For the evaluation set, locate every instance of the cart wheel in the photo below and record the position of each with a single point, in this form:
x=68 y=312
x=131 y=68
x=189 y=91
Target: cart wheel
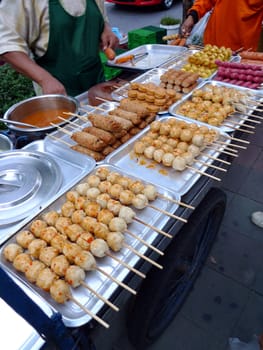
x=164 y=291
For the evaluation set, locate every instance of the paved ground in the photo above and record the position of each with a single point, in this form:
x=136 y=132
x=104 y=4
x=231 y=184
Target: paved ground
x=227 y=299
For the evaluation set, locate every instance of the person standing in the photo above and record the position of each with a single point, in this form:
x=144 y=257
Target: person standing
x=56 y=43
x=234 y=24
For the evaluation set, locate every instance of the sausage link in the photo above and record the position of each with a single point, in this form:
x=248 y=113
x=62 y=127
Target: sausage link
x=104 y=135
x=87 y=140
x=133 y=117
x=96 y=155
x=105 y=122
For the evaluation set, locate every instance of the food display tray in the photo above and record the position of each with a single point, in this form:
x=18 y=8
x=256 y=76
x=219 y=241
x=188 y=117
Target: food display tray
x=180 y=182
x=152 y=76
x=157 y=55
x=72 y=168
x=237 y=118
x=180 y=61
x=72 y=314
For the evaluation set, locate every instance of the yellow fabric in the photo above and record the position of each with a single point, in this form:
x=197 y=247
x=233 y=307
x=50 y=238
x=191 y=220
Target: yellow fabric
x=24 y=24
x=233 y=23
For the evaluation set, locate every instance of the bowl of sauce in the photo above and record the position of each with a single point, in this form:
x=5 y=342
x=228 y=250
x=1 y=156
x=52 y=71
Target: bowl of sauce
x=41 y=111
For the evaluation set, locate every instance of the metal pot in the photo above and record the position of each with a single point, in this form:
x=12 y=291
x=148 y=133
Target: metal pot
x=35 y=104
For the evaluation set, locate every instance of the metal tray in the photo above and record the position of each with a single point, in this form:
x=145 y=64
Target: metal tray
x=181 y=182
x=64 y=140
x=182 y=60
x=152 y=76
x=238 y=117
x=157 y=55
x=73 y=315
x=72 y=168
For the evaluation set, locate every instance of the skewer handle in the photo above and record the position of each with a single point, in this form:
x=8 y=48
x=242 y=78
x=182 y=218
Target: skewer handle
x=123 y=285
x=176 y=202
x=91 y=314
x=144 y=242
x=203 y=173
x=210 y=165
x=106 y=301
x=167 y=213
x=153 y=228
x=127 y=266
x=143 y=256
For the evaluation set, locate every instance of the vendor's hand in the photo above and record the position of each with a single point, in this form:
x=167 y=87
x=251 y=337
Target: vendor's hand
x=53 y=86
x=108 y=38
x=187 y=26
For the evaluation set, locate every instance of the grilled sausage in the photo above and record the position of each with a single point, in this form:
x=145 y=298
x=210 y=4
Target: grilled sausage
x=133 y=117
x=107 y=123
x=107 y=137
x=87 y=140
x=96 y=155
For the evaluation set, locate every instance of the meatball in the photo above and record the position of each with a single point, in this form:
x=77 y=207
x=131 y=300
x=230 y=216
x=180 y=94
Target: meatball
x=102 y=200
x=23 y=238
x=114 y=206
x=126 y=197
x=74 y=276
x=140 y=201
x=115 y=241
x=60 y=291
x=150 y=192
x=118 y=224
x=22 y=262
x=11 y=251
x=72 y=196
x=48 y=234
x=33 y=270
x=102 y=173
x=82 y=188
x=78 y=216
x=127 y=214
x=62 y=223
x=47 y=254
x=85 y=260
x=92 y=193
x=45 y=279
x=35 y=246
x=67 y=209
x=73 y=231
x=71 y=250
x=37 y=226
x=93 y=180
x=84 y=240
x=105 y=216
x=99 y=248
x=51 y=217
x=101 y=230
x=59 y=265
x=58 y=242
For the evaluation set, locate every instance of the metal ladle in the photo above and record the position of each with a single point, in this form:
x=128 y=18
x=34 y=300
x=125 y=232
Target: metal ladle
x=8 y=121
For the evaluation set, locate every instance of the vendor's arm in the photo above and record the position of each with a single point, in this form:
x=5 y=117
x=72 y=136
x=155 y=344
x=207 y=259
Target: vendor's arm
x=196 y=12
x=22 y=63
x=108 y=38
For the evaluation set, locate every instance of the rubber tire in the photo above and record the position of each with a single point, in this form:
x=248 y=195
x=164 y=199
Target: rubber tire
x=163 y=292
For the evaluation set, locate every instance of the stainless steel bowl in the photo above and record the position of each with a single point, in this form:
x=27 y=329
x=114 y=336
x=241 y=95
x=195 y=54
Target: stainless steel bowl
x=5 y=143
x=41 y=103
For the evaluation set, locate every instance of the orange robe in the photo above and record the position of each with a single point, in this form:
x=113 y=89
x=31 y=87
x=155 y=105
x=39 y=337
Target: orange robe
x=233 y=23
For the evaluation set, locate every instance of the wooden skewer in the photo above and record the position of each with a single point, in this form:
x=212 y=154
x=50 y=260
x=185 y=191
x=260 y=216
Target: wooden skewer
x=231 y=144
x=229 y=153
x=238 y=124
x=244 y=114
x=106 y=301
x=258 y=103
x=175 y=201
x=63 y=130
x=102 y=99
x=210 y=165
x=237 y=139
x=251 y=120
x=91 y=314
x=144 y=242
x=127 y=266
x=215 y=158
x=71 y=123
x=226 y=148
x=143 y=256
x=73 y=114
x=60 y=140
x=153 y=227
x=166 y=213
x=123 y=285
x=203 y=173
x=237 y=128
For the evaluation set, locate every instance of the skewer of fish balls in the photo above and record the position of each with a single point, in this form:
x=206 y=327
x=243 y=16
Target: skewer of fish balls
x=73 y=252
x=47 y=280
x=51 y=257
x=149 y=190
x=116 y=186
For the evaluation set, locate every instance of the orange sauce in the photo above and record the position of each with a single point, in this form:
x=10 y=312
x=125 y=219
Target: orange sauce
x=163 y=172
x=45 y=117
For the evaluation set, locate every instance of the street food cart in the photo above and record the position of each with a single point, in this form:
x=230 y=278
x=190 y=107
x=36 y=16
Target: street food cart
x=168 y=235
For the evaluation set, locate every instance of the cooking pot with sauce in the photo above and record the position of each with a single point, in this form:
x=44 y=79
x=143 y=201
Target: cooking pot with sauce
x=41 y=111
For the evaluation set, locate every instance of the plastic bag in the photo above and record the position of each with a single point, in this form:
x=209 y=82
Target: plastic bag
x=197 y=33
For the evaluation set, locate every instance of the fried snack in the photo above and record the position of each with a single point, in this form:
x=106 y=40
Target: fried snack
x=108 y=123
x=104 y=135
x=133 y=117
x=96 y=155
x=87 y=140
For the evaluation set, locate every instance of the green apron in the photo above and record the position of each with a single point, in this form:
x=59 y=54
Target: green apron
x=72 y=55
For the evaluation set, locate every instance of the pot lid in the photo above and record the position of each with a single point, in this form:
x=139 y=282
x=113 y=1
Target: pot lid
x=27 y=181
